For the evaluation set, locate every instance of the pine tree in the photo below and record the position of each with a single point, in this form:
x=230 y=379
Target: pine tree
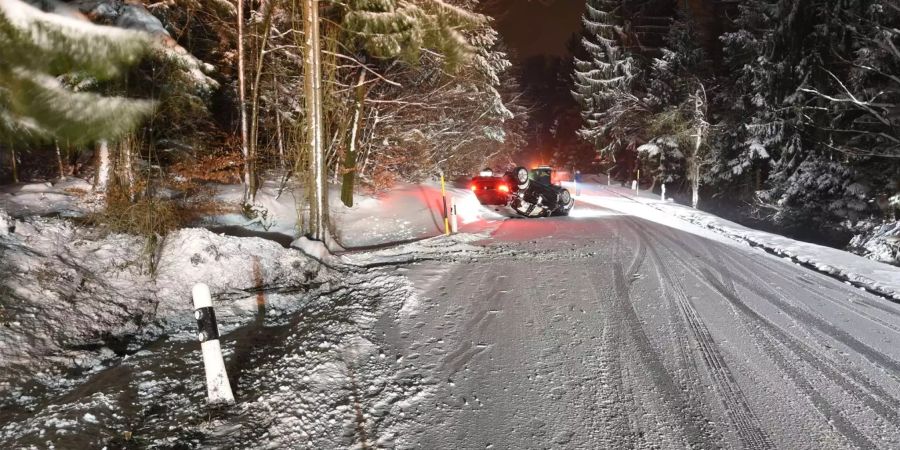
x=37 y=49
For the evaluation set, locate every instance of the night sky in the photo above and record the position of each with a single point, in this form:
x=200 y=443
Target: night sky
x=539 y=36
x=536 y=27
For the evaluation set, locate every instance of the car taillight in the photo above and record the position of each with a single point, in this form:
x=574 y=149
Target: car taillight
x=503 y=188
x=474 y=187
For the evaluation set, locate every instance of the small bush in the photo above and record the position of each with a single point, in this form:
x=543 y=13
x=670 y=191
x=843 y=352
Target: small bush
x=145 y=216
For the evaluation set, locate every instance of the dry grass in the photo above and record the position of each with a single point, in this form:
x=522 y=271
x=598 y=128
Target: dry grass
x=225 y=169
x=145 y=216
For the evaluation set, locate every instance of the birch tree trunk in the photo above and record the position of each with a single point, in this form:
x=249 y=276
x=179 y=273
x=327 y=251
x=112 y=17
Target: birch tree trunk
x=104 y=165
x=278 y=132
x=700 y=127
x=695 y=168
x=242 y=101
x=59 y=161
x=124 y=167
x=312 y=87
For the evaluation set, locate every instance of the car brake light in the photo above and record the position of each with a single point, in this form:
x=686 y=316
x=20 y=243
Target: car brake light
x=474 y=187
x=503 y=188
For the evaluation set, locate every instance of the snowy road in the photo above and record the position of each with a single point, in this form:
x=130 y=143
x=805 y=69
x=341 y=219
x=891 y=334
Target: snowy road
x=608 y=331
x=599 y=330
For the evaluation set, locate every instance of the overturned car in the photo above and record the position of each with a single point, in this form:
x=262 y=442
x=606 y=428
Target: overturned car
x=530 y=194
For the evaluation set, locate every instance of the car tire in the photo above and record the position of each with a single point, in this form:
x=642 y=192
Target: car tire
x=566 y=201
x=521 y=177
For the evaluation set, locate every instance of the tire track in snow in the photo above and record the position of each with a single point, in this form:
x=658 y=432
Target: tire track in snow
x=842 y=376
x=692 y=421
x=615 y=400
x=816 y=289
x=778 y=336
x=735 y=402
x=876 y=397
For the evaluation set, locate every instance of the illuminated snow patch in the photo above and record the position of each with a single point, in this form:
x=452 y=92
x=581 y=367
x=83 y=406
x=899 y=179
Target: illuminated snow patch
x=591 y=213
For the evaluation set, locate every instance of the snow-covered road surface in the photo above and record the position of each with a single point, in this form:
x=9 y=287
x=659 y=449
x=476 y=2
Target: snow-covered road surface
x=598 y=330
x=608 y=331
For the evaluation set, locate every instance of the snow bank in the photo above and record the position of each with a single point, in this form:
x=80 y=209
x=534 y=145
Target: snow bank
x=62 y=198
x=228 y=265
x=6 y=223
x=69 y=296
x=876 y=277
x=404 y=213
x=450 y=247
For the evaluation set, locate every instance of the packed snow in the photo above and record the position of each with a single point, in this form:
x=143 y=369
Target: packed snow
x=875 y=276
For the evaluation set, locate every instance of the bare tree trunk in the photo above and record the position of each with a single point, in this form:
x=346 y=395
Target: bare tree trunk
x=104 y=165
x=312 y=86
x=252 y=147
x=15 y=165
x=242 y=100
x=59 y=161
x=347 y=185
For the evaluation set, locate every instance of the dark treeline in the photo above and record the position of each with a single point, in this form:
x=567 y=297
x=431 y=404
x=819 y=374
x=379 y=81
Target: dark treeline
x=784 y=112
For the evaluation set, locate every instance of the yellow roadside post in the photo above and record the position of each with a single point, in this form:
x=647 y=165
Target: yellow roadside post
x=446 y=215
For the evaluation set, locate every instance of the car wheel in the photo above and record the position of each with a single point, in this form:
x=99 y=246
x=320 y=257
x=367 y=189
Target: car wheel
x=566 y=203
x=521 y=175
x=565 y=198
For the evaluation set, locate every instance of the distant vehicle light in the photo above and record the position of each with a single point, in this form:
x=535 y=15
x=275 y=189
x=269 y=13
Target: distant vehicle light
x=474 y=187
x=503 y=188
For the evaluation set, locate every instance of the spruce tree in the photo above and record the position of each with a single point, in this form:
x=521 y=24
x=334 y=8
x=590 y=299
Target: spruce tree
x=403 y=28
x=604 y=84
x=384 y=30
x=38 y=50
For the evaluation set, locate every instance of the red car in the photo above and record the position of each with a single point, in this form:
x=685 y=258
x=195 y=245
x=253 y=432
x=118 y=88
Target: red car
x=491 y=189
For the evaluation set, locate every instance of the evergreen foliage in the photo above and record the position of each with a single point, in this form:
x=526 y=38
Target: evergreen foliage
x=403 y=28
x=604 y=80
x=37 y=49
x=804 y=104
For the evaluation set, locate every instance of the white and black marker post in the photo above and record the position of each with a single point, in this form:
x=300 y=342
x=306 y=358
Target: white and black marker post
x=217 y=387
x=454 y=218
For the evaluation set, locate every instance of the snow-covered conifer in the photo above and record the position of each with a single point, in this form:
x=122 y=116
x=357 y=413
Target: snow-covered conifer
x=37 y=48
x=603 y=80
